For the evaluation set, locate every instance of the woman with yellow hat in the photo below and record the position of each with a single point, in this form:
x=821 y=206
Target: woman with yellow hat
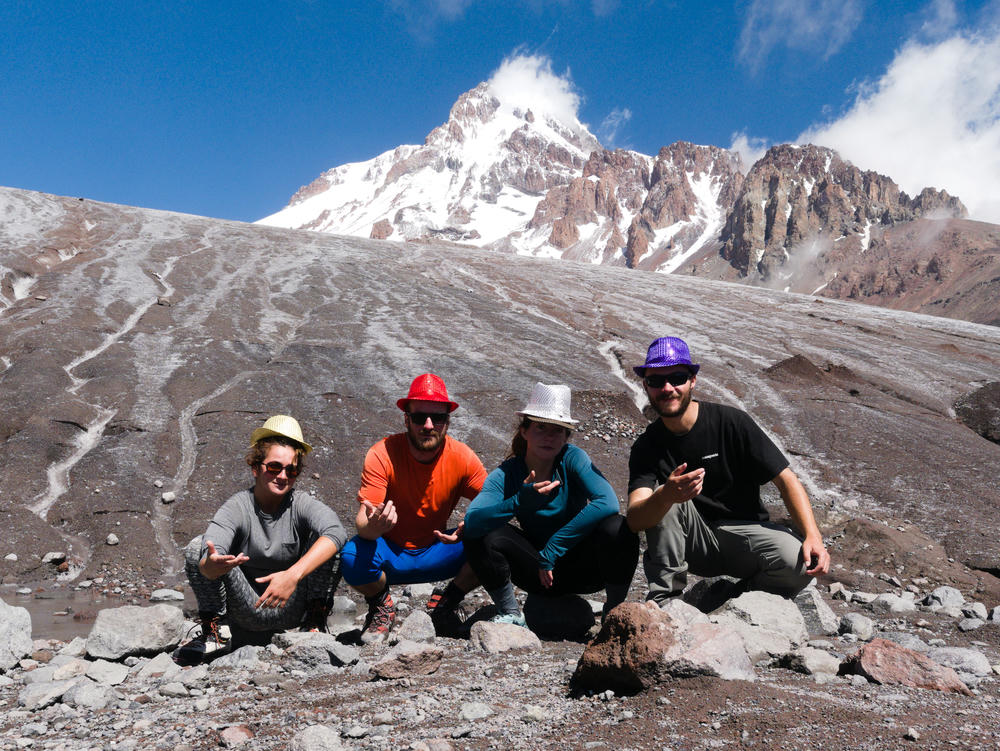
x=266 y=562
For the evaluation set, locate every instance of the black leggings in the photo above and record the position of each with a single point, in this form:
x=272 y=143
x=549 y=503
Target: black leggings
x=608 y=555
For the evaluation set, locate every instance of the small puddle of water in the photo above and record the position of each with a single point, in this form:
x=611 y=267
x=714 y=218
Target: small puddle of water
x=65 y=614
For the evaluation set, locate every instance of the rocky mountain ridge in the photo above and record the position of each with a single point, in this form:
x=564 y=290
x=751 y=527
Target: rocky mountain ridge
x=499 y=177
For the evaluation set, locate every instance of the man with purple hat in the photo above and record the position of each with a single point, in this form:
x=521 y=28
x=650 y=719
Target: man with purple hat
x=410 y=484
x=694 y=487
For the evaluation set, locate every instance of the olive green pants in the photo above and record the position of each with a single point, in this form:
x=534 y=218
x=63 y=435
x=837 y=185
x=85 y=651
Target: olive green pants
x=767 y=556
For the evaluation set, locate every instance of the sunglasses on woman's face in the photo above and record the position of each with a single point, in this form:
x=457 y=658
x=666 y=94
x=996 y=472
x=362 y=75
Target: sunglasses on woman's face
x=658 y=380
x=276 y=468
x=420 y=418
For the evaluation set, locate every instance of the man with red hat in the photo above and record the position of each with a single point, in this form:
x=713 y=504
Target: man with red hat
x=410 y=484
x=694 y=487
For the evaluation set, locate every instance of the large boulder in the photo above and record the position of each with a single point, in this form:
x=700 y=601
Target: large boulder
x=494 y=638
x=818 y=616
x=15 y=635
x=885 y=662
x=409 y=658
x=564 y=617
x=641 y=645
x=134 y=630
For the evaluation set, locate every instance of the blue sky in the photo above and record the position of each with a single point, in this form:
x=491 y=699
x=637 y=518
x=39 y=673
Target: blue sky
x=226 y=108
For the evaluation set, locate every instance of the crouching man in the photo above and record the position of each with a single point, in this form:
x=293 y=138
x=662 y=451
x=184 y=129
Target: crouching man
x=694 y=487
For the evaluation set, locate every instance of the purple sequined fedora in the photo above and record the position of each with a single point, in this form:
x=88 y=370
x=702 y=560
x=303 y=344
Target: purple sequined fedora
x=666 y=352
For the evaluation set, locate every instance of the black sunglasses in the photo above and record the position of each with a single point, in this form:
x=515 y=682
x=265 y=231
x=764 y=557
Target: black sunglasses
x=275 y=468
x=420 y=418
x=657 y=381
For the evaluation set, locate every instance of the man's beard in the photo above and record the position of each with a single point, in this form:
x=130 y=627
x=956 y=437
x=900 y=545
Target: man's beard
x=676 y=409
x=425 y=443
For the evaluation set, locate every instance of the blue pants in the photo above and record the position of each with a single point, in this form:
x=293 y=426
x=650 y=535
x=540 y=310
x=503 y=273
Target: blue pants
x=363 y=562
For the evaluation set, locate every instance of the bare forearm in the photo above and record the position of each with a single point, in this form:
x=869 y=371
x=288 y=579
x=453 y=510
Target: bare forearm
x=321 y=551
x=645 y=508
x=797 y=502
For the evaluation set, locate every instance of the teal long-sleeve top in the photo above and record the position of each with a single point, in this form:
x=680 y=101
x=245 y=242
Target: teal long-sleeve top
x=554 y=522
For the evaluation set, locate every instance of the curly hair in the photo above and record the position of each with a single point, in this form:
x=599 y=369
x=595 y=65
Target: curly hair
x=255 y=456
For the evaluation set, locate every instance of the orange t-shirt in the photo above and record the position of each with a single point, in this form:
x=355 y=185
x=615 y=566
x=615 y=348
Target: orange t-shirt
x=424 y=494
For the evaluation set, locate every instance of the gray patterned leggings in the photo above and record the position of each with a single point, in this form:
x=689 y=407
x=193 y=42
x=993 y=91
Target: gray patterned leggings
x=231 y=594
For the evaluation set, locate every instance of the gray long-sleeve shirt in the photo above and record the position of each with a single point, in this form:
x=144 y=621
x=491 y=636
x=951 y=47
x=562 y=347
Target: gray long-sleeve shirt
x=273 y=542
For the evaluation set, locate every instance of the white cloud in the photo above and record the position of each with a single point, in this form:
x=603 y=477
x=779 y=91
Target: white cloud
x=820 y=27
x=749 y=148
x=607 y=132
x=932 y=120
x=527 y=81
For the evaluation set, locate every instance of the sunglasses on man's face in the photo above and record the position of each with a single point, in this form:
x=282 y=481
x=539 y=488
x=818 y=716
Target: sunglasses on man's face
x=420 y=418
x=275 y=468
x=658 y=380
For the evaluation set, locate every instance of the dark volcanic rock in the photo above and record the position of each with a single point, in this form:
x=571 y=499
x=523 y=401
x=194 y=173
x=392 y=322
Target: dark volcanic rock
x=980 y=410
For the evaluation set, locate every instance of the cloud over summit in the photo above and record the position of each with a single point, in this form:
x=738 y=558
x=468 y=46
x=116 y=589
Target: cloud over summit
x=527 y=81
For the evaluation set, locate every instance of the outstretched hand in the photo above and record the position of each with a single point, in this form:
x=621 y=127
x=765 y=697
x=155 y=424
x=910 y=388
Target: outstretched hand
x=452 y=538
x=545 y=577
x=215 y=564
x=544 y=486
x=683 y=486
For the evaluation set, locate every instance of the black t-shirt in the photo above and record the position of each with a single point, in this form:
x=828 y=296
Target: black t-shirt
x=737 y=456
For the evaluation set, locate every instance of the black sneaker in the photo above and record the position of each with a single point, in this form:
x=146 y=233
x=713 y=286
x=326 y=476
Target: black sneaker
x=207 y=645
x=446 y=621
x=316 y=615
x=380 y=619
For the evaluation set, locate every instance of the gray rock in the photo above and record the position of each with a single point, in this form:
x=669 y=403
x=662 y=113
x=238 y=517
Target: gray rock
x=818 y=616
x=760 y=643
x=564 y=617
x=905 y=639
x=863 y=597
x=133 y=630
x=890 y=603
x=474 y=710
x=811 y=662
x=683 y=611
x=409 y=658
x=15 y=635
x=773 y=612
x=40 y=695
x=86 y=694
x=316 y=649
x=713 y=592
x=417 y=626
x=247 y=657
x=54 y=558
x=975 y=610
x=44 y=674
x=76 y=648
x=995 y=615
x=70 y=669
x=859 y=625
x=970 y=624
x=316 y=738
x=111 y=539
x=108 y=673
x=947 y=597
x=420 y=592
x=174 y=690
x=961 y=660
x=494 y=638
x=162 y=667
x=166 y=595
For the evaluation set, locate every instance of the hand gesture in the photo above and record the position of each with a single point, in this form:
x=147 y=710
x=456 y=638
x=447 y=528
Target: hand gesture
x=816 y=556
x=452 y=538
x=214 y=564
x=280 y=587
x=681 y=486
x=380 y=519
x=545 y=577
x=544 y=487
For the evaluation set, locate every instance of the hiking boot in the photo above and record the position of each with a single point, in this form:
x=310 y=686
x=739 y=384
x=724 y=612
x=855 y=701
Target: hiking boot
x=514 y=619
x=208 y=644
x=381 y=616
x=316 y=615
x=446 y=621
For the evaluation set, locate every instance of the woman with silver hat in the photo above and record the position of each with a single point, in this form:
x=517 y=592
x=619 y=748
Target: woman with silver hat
x=266 y=562
x=570 y=539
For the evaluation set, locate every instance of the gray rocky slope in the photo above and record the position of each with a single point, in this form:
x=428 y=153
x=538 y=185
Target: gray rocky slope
x=140 y=348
